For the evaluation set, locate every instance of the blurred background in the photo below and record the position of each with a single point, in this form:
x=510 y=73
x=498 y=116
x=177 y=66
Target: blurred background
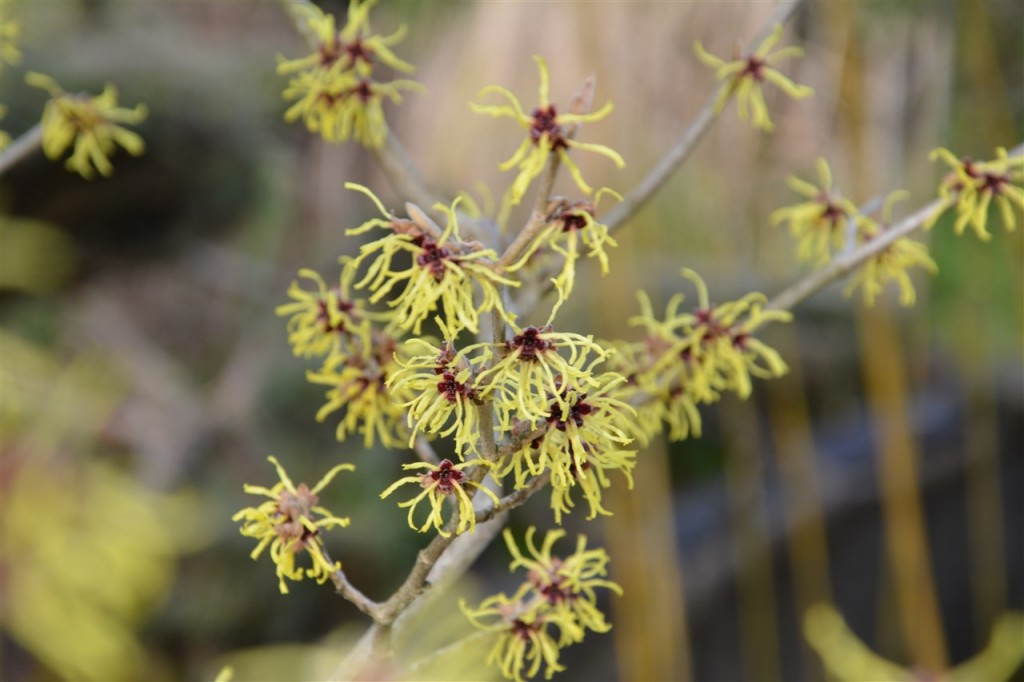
x=145 y=376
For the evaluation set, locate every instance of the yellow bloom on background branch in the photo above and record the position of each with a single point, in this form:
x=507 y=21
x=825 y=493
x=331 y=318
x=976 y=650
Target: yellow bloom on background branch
x=891 y=263
x=88 y=123
x=289 y=522
x=745 y=77
x=9 y=52
x=820 y=225
x=440 y=482
x=334 y=89
x=549 y=132
x=977 y=184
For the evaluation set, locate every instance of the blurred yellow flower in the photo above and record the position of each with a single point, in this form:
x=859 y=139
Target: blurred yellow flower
x=87 y=555
x=90 y=123
x=289 y=522
x=321 y=320
x=9 y=52
x=820 y=225
x=355 y=47
x=357 y=382
x=438 y=483
x=891 y=263
x=334 y=88
x=345 y=106
x=745 y=78
x=976 y=184
x=550 y=132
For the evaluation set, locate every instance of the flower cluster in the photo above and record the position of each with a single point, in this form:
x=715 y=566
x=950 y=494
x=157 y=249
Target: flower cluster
x=892 y=262
x=333 y=87
x=821 y=224
x=9 y=51
x=549 y=132
x=441 y=272
x=689 y=358
x=289 y=522
x=828 y=224
x=88 y=123
x=558 y=595
x=582 y=440
x=445 y=388
x=745 y=77
x=439 y=483
x=975 y=185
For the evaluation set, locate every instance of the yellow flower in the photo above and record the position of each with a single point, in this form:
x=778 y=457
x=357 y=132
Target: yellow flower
x=571 y=224
x=322 y=319
x=357 y=382
x=531 y=373
x=583 y=440
x=290 y=521
x=354 y=47
x=343 y=106
x=745 y=78
x=446 y=392
x=441 y=273
x=558 y=593
x=523 y=643
x=549 y=132
x=658 y=398
x=88 y=122
x=820 y=225
x=712 y=349
x=334 y=88
x=9 y=52
x=976 y=184
x=891 y=263
x=442 y=481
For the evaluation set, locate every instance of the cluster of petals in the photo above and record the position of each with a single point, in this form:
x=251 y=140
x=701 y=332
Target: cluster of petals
x=973 y=186
x=91 y=125
x=553 y=608
x=549 y=132
x=745 y=78
x=333 y=89
x=289 y=522
x=441 y=274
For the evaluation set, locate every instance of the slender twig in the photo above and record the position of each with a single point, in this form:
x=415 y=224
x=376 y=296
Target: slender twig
x=516 y=498
x=20 y=148
x=684 y=146
x=347 y=590
x=846 y=263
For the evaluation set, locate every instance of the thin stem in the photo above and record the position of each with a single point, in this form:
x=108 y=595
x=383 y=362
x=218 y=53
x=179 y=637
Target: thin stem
x=684 y=146
x=538 y=217
x=347 y=590
x=19 y=149
x=516 y=498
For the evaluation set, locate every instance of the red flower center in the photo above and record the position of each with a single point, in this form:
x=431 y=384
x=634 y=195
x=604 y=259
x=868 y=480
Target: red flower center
x=545 y=122
x=530 y=344
x=447 y=477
